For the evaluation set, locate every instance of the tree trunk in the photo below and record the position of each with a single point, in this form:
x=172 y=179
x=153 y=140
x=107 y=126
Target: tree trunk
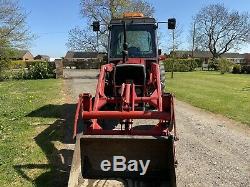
x=112 y=8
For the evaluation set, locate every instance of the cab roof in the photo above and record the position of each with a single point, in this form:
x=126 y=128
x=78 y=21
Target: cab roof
x=136 y=20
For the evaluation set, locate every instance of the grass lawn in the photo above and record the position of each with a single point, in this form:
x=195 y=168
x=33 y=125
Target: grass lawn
x=227 y=94
x=23 y=148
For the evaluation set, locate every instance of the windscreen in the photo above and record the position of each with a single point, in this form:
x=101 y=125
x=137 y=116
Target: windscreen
x=140 y=40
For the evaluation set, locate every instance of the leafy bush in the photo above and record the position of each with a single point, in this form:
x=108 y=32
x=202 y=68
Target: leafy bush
x=20 y=74
x=245 y=69
x=5 y=53
x=39 y=70
x=236 y=68
x=12 y=74
x=17 y=64
x=5 y=75
x=224 y=65
x=198 y=62
x=213 y=64
x=180 y=65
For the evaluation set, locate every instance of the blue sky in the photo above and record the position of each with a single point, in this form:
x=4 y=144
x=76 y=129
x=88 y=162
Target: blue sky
x=50 y=20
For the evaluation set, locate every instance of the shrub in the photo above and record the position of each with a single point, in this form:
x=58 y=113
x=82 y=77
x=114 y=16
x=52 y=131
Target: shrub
x=5 y=53
x=5 y=75
x=198 y=62
x=17 y=64
x=12 y=74
x=180 y=65
x=20 y=74
x=236 y=68
x=39 y=70
x=224 y=65
x=213 y=64
x=245 y=69
x=3 y=66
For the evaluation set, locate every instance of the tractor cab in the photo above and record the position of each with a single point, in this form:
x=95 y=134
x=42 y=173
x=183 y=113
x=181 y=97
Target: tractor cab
x=133 y=36
x=133 y=48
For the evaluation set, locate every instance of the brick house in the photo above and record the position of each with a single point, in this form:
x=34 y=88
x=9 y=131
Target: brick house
x=23 y=55
x=247 y=58
x=81 y=56
x=83 y=60
x=42 y=57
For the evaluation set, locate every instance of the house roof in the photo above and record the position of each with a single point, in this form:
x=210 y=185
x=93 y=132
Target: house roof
x=78 y=54
x=20 y=53
x=42 y=56
x=233 y=55
x=197 y=54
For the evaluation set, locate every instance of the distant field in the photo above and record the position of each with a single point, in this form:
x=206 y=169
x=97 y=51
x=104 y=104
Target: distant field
x=227 y=94
x=26 y=114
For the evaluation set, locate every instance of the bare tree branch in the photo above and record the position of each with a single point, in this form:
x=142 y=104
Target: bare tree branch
x=220 y=30
x=176 y=35
x=102 y=10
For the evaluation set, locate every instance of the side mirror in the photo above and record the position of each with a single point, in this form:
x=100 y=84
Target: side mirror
x=159 y=51
x=96 y=26
x=171 y=23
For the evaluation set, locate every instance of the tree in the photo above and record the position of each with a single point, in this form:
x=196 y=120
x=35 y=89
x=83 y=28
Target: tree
x=84 y=39
x=175 y=38
x=13 y=29
x=220 y=30
x=175 y=41
x=193 y=44
x=5 y=53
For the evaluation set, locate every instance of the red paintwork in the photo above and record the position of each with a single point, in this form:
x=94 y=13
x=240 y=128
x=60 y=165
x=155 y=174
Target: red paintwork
x=125 y=115
x=164 y=104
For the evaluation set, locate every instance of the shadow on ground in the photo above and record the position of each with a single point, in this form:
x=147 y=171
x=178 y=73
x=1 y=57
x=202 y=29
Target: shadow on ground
x=59 y=160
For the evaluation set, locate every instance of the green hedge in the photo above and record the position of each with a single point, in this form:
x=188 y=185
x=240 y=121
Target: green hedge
x=181 y=65
x=237 y=69
x=245 y=69
x=17 y=64
x=39 y=70
x=30 y=70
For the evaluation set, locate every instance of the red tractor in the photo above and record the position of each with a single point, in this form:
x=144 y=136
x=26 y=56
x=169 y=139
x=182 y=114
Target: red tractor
x=117 y=121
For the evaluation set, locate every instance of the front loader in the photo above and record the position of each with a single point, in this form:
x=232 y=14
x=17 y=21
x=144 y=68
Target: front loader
x=130 y=120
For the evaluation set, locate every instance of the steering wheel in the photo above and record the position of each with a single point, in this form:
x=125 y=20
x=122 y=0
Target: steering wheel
x=133 y=51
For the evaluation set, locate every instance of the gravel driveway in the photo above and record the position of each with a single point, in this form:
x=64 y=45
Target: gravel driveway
x=212 y=150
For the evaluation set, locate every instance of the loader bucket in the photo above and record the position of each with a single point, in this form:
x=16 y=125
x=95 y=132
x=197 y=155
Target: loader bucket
x=94 y=149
